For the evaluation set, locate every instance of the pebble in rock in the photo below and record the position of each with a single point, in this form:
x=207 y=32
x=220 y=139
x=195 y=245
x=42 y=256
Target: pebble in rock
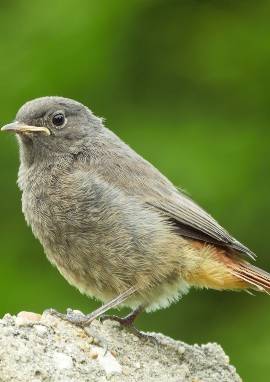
x=26 y=318
x=62 y=361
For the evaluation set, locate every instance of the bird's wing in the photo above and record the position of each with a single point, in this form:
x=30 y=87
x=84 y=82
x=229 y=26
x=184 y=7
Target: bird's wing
x=192 y=221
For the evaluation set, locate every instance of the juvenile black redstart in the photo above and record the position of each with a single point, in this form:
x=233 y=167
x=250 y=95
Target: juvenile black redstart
x=112 y=224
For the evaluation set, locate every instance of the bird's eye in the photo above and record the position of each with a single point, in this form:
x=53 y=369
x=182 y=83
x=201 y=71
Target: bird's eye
x=58 y=119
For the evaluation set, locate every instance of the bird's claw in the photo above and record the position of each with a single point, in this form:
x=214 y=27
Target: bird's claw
x=75 y=317
x=127 y=323
x=81 y=320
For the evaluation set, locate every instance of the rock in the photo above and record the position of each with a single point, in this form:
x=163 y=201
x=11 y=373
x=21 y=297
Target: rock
x=41 y=330
x=36 y=348
x=62 y=361
x=107 y=361
x=27 y=318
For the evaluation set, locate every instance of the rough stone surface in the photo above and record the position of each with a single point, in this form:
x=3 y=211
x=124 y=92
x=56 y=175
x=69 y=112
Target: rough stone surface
x=37 y=348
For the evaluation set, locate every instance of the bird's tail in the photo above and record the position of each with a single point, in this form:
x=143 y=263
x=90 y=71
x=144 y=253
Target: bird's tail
x=221 y=269
x=254 y=277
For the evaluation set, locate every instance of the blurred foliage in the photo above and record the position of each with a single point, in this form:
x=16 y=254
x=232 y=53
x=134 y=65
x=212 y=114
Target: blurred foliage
x=184 y=82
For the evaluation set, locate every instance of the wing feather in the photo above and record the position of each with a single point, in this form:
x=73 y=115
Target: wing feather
x=187 y=213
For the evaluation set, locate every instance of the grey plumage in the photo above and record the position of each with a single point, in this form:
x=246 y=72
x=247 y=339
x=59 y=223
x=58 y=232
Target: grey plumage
x=105 y=216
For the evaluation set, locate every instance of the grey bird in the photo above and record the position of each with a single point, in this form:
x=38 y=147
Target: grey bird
x=112 y=224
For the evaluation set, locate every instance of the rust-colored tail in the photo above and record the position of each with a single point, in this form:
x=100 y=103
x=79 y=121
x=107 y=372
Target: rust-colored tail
x=255 y=277
x=220 y=269
x=217 y=268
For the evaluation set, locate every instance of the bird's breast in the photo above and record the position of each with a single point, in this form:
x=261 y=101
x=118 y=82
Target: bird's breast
x=45 y=206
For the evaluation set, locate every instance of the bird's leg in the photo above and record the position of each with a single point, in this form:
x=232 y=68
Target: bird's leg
x=79 y=319
x=124 y=321
x=128 y=321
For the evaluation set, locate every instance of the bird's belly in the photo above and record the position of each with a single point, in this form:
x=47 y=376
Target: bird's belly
x=102 y=256
x=161 y=296
x=84 y=283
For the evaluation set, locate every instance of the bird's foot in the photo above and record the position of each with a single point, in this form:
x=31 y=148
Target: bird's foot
x=127 y=323
x=77 y=318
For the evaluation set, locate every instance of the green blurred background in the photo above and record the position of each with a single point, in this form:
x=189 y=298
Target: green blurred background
x=185 y=83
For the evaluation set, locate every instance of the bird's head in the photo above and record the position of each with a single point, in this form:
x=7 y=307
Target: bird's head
x=56 y=124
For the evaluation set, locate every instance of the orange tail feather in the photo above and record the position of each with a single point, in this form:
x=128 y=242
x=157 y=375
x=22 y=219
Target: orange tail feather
x=218 y=268
x=255 y=277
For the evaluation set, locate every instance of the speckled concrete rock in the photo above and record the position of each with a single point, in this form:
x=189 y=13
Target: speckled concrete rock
x=35 y=348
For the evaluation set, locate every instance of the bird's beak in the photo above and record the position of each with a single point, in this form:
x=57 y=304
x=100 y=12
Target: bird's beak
x=18 y=127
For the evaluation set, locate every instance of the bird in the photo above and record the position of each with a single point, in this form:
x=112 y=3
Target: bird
x=112 y=224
